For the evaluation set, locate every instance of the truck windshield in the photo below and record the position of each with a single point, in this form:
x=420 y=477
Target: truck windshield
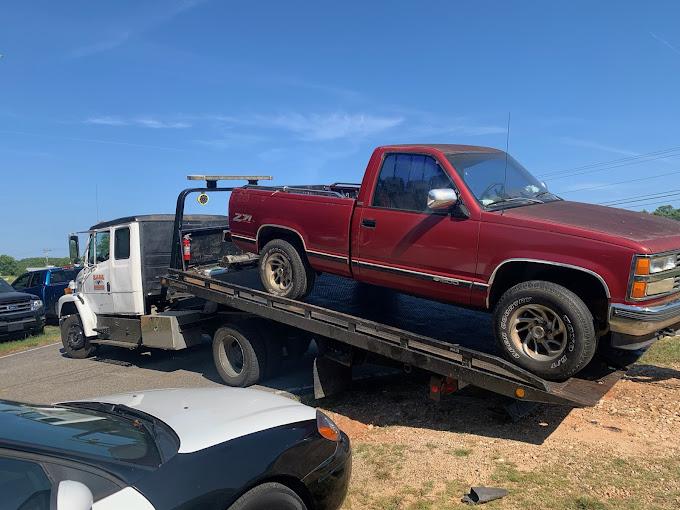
x=494 y=185
x=6 y=287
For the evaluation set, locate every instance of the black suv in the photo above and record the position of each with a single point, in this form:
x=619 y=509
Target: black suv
x=20 y=313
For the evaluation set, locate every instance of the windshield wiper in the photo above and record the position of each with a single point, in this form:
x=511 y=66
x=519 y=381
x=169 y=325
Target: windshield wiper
x=513 y=199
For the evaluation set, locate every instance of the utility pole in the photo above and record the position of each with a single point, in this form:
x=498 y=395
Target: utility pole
x=47 y=261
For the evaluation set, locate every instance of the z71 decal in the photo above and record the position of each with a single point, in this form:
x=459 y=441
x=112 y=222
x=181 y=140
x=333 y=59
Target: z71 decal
x=243 y=218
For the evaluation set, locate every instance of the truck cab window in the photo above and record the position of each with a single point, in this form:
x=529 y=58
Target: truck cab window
x=121 y=245
x=102 y=246
x=22 y=282
x=36 y=279
x=406 y=179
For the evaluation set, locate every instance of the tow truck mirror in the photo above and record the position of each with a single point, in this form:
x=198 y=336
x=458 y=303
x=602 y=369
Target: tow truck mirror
x=73 y=249
x=438 y=199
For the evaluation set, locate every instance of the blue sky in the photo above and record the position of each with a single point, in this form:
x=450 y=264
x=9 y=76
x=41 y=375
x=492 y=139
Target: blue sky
x=107 y=106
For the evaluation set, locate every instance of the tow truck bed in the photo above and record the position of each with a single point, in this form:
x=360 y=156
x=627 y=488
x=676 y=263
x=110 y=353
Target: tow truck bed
x=435 y=337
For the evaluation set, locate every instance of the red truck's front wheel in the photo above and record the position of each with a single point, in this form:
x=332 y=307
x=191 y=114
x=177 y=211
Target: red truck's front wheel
x=545 y=328
x=284 y=272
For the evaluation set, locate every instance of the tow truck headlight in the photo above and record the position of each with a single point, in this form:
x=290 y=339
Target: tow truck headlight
x=36 y=304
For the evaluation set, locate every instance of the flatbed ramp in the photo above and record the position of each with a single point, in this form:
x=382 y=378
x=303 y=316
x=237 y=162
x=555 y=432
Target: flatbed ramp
x=448 y=360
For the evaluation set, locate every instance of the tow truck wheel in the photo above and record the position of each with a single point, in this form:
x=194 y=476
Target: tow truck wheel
x=283 y=271
x=544 y=328
x=239 y=354
x=74 y=340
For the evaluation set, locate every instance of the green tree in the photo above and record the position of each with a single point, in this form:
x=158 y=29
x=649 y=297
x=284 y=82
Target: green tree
x=8 y=265
x=668 y=211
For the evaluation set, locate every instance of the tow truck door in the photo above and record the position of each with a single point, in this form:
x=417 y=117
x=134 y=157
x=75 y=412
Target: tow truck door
x=97 y=284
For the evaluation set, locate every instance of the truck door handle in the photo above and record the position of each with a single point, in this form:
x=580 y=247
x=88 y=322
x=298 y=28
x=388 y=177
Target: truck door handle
x=368 y=223
x=108 y=286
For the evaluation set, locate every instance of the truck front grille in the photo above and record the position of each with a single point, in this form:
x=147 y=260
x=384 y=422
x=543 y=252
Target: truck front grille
x=15 y=306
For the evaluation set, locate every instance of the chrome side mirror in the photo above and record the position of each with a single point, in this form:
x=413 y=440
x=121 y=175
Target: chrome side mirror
x=438 y=199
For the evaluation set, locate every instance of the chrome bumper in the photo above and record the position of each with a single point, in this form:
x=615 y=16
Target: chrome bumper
x=634 y=327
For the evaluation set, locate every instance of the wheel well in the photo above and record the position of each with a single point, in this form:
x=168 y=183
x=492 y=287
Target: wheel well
x=270 y=233
x=68 y=309
x=584 y=285
x=291 y=482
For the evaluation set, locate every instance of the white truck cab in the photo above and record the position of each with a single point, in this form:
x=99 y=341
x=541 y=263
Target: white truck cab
x=118 y=298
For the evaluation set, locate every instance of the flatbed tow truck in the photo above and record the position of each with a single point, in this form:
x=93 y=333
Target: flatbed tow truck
x=243 y=354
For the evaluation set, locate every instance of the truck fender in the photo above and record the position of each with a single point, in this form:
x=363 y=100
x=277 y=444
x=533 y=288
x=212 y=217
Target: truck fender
x=72 y=303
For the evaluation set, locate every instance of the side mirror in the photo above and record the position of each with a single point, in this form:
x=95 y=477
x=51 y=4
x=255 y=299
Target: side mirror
x=73 y=249
x=71 y=495
x=438 y=199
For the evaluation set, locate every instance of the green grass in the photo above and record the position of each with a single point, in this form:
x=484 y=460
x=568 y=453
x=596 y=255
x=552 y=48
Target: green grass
x=383 y=457
x=664 y=353
x=50 y=335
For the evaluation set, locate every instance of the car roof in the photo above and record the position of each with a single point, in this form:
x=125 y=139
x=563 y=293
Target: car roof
x=444 y=148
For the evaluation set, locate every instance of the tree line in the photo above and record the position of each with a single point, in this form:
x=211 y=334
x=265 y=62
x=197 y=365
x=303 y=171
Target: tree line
x=9 y=266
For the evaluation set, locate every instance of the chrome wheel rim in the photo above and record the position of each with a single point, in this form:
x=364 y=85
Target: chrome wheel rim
x=75 y=338
x=538 y=332
x=279 y=272
x=231 y=356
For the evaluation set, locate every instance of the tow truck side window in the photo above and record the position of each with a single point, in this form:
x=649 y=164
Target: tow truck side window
x=406 y=179
x=103 y=239
x=121 y=245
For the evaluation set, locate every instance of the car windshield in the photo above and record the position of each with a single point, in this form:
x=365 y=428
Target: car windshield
x=6 y=287
x=77 y=430
x=495 y=183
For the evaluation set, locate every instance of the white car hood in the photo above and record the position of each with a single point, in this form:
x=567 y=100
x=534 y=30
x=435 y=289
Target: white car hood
x=204 y=417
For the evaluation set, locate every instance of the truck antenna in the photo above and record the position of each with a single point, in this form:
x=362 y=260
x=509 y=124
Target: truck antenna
x=505 y=170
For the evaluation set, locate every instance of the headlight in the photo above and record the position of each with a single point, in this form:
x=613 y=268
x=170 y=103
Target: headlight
x=658 y=264
x=36 y=304
x=654 y=276
x=326 y=427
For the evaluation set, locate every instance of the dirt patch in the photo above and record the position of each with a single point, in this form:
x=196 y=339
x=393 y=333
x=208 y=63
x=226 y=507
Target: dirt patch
x=410 y=452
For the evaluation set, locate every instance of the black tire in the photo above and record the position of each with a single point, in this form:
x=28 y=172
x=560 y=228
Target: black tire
x=284 y=272
x=269 y=496
x=239 y=354
x=544 y=328
x=75 y=343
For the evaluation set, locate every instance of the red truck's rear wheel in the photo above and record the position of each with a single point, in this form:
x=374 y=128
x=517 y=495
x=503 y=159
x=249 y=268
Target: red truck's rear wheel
x=284 y=272
x=545 y=328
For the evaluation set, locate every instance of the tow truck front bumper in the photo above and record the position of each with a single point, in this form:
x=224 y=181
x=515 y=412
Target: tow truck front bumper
x=636 y=327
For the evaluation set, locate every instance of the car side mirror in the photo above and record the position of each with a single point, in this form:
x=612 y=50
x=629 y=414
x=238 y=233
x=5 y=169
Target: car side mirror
x=438 y=199
x=73 y=249
x=71 y=495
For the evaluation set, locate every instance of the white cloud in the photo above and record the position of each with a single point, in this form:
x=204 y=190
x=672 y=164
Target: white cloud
x=144 y=18
x=664 y=42
x=147 y=122
x=575 y=142
x=318 y=127
x=92 y=49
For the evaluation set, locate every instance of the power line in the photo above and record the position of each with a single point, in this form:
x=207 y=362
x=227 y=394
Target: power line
x=606 y=163
x=662 y=202
x=610 y=167
x=616 y=183
x=651 y=196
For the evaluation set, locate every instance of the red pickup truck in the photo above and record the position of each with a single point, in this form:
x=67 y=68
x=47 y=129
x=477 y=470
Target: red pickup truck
x=469 y=225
